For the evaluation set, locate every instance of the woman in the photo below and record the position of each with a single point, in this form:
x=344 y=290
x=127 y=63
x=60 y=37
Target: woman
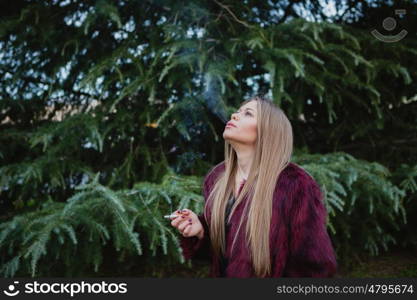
x=263 y=215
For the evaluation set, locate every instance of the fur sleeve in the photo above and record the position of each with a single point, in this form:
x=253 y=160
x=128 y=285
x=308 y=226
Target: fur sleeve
x=310 y=250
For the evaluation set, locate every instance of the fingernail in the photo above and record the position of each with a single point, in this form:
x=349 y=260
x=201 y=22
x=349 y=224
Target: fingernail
x=183 y=217
x=189 y=220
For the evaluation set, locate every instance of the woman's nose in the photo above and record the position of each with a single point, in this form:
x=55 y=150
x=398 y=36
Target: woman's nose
x=235 y=116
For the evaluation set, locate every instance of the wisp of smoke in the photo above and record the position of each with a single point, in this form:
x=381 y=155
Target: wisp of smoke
x=213 y=98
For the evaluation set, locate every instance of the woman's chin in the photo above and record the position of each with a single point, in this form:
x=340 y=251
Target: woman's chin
x=229 y=138
x=226 y=135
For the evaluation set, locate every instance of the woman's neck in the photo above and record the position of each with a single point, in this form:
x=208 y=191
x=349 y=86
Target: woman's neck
x=244 y=161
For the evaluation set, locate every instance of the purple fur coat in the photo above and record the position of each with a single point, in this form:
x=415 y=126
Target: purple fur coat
x=299 y=243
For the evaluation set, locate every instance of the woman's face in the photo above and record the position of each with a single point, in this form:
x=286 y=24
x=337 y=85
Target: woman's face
x=245 y=121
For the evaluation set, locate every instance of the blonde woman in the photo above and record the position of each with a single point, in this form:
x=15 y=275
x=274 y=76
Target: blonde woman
x=263 y=215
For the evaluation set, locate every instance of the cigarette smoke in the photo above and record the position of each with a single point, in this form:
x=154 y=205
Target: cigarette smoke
x=212 y=96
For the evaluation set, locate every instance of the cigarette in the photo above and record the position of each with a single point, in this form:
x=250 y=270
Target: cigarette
x=170 y=216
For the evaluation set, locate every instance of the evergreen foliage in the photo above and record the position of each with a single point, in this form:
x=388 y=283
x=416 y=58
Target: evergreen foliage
x=366 y=209
x=93 y=217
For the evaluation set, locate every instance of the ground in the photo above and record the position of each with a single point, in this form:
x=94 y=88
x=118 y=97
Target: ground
x=395 y=263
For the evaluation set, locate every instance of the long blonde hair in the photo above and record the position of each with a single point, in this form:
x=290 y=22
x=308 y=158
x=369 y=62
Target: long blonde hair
x=273 y=150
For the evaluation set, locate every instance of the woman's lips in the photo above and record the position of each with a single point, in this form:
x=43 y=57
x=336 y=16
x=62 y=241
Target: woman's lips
x=229 y=124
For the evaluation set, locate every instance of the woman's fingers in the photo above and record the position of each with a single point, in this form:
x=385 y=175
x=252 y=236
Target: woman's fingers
x=182 y=215
x=186 y=211
x=184 y=224
x=187 y=230
x=178 y=220
x=184 y=221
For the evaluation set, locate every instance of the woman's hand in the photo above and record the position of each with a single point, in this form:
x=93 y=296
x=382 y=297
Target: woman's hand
x=188 y=223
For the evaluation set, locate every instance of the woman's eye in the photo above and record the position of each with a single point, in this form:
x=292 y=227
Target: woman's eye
x=246 y=113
